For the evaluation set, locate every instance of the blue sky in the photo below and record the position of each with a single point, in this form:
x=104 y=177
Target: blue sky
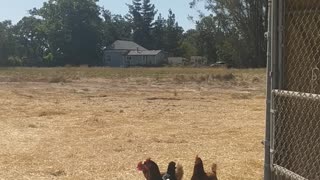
x=15 y=9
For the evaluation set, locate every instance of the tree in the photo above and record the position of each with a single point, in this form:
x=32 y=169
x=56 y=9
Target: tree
x=159 y=32
x=190 y=43
x=31 y=37
x=173 y=35
x=7 y=44
x=115 y=27
x=246 y=20
x=148 y=13
x=141 y=15
x=73 y=29
x=188 y=49
x=167 y=35
x=208 y=37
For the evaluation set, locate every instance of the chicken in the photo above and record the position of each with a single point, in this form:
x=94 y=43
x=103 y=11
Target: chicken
x=200 y=174
x=151 y=171
x=173 y=172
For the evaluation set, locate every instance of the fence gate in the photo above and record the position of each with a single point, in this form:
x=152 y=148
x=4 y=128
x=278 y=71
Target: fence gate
x=293 y=106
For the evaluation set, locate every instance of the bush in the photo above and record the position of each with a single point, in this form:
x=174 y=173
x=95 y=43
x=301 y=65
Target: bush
x=14 y=61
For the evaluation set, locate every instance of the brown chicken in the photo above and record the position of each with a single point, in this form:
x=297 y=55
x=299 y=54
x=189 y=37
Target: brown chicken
x=200 y=174
x=151 y=171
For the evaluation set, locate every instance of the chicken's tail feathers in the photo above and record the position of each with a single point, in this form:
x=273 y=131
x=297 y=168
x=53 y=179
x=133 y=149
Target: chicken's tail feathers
x=214 y=168
x=179 y=172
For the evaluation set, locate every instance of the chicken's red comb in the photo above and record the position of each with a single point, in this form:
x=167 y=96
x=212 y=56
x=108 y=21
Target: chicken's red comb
x=140 y=166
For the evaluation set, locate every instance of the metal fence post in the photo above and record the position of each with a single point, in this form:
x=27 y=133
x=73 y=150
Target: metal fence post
x=267 y=158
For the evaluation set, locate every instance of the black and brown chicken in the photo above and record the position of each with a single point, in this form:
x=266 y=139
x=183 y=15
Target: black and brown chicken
x=151 y=171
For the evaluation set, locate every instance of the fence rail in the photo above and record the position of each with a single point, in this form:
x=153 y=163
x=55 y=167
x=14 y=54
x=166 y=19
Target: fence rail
x=297 y=132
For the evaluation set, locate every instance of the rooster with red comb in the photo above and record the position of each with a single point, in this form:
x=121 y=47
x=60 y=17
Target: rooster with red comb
x=150 y=170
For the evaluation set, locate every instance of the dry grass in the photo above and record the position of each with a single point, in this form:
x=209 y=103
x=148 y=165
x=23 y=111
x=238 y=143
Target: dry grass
x=58 y=79
x=103 y=122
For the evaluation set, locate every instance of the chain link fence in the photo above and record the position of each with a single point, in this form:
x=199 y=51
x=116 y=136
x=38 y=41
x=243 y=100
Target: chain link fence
x=295 y=130
x=297 y=133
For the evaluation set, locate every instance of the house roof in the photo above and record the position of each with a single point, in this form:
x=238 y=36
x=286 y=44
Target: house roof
x=144 y=53
x=126 y=45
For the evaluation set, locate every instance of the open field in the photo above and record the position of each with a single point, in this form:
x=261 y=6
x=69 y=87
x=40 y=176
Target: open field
x=98 y=123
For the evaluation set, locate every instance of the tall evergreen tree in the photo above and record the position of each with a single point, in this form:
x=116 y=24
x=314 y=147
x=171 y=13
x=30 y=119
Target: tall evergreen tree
x=173 y=35
x=141 y=17
x=148 y=14
x=135 y=18
x=159 y=32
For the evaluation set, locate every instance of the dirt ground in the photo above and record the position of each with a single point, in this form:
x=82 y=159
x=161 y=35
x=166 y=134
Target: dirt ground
x=100 y=128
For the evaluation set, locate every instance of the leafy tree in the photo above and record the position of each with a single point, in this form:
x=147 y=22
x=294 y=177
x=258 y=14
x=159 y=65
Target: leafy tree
x=245 y=21
x=208 y=36
x=73 y=29
x=188 y=49
x=31 y=37
x=115 y=27
x=7 y=43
